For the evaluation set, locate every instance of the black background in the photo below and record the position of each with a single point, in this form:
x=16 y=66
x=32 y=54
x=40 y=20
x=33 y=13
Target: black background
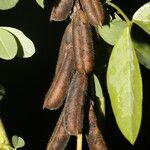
x=27 y=80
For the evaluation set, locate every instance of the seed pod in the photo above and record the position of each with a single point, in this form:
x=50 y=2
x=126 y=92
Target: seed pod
x=61 y=10
x=66 y=43
x=94 y=11
x=60 y=137
x=77 y=42
x=87 y=47
x=94 y=137
x=73 y=120
x=57 y=92
x=82 y=43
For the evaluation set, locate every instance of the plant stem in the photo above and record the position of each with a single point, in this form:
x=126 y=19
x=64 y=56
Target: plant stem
x=79 y=142
x=120 y=11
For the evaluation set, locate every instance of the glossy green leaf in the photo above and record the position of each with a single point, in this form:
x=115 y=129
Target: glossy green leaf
x=125 y=86
x=17 y=141
x=2 y=92
x=8 y=4
x=40 y=3
x=99 y=94
x=8 y=45
x=26 y=44
x=143 y=53
x=111 y=33
x=142 y=17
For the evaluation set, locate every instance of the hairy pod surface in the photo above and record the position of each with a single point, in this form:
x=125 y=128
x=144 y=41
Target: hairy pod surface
x=94 y=137
x=60 y=137
x=82 y=43
x=58 y=90
x=66 y=43
x=73 y=120
x=61 y=10
x=94 y=11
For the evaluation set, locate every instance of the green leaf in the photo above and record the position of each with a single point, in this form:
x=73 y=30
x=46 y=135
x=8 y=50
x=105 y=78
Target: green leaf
x=40 y=3
x=2 y=92
x=125 y=86
x=111 y=33
x=17 y=142
x=8 y=4
x=3 y=137
x=142 y=17
x=99 y=94
x=26 y=44
x=143 y=53
x=8 y=45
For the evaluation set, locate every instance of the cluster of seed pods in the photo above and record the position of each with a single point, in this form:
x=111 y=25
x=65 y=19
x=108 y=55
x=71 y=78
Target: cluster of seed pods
x=75 y=63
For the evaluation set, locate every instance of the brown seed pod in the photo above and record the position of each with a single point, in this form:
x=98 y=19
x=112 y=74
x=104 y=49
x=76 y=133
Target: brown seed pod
x=94 y=137
x=77 y=42
x=66 y=43
x=60 y=137
x=82 y=43
x=61 y=10
x=57 y=92
x=87 y=44
x=94 y=11
x=73 y=120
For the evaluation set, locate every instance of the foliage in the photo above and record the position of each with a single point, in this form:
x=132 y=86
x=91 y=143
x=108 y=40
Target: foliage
x=142 y=17
x=12 y=41
x=40 y=3
x=8 y=4
x=110 y=33
x=99 y=94
x=17 y=142
x=123 y=73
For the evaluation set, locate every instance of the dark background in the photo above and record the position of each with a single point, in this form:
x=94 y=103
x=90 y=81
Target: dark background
x=27 y=80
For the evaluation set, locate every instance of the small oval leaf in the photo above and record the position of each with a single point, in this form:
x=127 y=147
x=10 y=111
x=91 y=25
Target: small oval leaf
x=17 y=141
x=125 y=86
x=7 y=4
x=111 y=33
x=26 y=44
x=99 y=94
x=8 y=45
x=40 y=3
x=142 y=17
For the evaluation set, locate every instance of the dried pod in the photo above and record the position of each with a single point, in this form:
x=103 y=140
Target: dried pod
x=57 y=92
x=60 y=137
x=94 y=137
x=87 y=43
x=66 y=43
x=61 y=10
x=94 y=11
x=73 y=120
x=82 y=43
